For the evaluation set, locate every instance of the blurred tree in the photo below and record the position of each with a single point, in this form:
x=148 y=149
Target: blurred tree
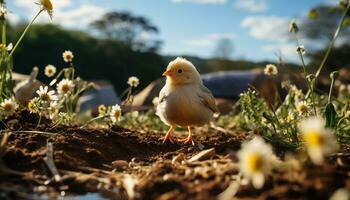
x=318 y=28
x=321 y=22
x=134 y=31
x=95 y=58
x=223 y=49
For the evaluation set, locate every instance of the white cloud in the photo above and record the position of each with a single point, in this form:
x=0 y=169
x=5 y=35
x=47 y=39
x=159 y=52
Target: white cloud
x=267 y=27
x=65 y=13
x=331 y=2
x=13 y=18
x=200 y=1
x=209 y=41
x=79 y=17
x=252 y=5
x=287 y=50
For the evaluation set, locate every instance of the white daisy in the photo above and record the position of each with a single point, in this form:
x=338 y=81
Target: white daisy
x=302 y=107
x=340 y=194
x=102 y=110
x=270 y=70
x=32 y=106
x=293 y=27
x=298 y=94
x=50 y=70
x=115 y=113
x=290 y=117
x=301 y=49
x=53 y=109
x=46 y=5
x=46 y=95
x=65 y=87
x=319 y=140
x=255 y=159
x=8 y=107
x=67 y=56
x=133 y=81
x=9 y=47
x=3 y=12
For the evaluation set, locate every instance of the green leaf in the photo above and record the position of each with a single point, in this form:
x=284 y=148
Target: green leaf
x=313 y=14
x=346 y=22
x=331 y=115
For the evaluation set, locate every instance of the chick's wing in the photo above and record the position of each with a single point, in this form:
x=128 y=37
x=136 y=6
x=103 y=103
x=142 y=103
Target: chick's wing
x=162 y=94
x=207 y=98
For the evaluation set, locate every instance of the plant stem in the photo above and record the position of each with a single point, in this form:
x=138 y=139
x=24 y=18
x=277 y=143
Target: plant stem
x=25 y=31
x=301 y=56
x=310 y=85
x=313 y=98
x=332 y=42
x=92 y=120
x=340 y=121
x=330 y=91
x=35 y=132
x=39 y=121
x=303 y=64
x=3 y=38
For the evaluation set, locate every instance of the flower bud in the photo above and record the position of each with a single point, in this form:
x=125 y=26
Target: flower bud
x=334 y=75
x=293 y=27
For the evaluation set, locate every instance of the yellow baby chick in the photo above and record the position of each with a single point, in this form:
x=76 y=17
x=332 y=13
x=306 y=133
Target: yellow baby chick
x=184 y=100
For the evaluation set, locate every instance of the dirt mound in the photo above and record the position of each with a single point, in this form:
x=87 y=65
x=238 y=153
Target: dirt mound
x=119 y=163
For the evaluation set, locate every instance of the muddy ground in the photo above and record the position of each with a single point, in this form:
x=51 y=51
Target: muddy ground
x=123 y=164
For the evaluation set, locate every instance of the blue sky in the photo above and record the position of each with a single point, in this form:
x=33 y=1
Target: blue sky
x=258 y=28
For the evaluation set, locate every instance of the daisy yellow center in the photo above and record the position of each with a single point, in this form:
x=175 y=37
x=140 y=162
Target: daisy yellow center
x=302 y=108
x=102 y=109
x=30 y=106
x=65 y=88
x=53 y=110
x=45 y=97
x=314 y=139
x=68 y=57
x=117 y=114
x=254 y=162
x=270 y=69
x=8 y=107
x=47 y=5
x=50 y=71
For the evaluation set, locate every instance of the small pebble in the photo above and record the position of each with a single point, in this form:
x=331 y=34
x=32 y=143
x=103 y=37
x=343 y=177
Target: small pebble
x=200 y=146
x=178 y=159
x=64 y=187
x=121 y=164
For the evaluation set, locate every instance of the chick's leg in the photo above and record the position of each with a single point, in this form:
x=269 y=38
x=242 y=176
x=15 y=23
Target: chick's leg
x=168 y=135
x=189 y=137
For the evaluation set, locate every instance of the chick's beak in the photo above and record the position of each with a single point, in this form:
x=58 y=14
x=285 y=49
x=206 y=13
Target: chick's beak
x=168 y=73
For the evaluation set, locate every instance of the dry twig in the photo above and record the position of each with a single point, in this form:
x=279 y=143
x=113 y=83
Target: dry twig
x=50 y=163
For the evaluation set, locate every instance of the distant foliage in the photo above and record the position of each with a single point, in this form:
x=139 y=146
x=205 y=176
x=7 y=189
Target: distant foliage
x=96 y=58
x=129 y=29
x=318 y=27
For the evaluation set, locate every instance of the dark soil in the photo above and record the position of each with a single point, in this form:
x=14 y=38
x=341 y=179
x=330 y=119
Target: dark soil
x=120 y=164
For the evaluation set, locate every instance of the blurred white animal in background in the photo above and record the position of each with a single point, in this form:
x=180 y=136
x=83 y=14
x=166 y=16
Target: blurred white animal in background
x=26 y=90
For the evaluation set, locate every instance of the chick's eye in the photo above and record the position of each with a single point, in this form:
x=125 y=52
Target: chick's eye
x=179 y=71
